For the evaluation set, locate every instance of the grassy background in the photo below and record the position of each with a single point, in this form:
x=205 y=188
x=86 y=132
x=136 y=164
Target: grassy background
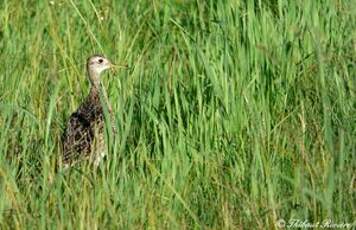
x=232 y=114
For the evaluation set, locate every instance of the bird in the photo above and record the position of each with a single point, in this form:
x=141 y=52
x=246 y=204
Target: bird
x=83 y=136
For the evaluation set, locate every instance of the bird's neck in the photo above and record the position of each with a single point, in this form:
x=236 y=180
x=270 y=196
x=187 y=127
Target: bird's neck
x=94 y=78
x=97 y=95
x=95 y=89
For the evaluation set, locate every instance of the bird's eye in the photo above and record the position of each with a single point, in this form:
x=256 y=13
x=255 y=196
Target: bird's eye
x=100 y=60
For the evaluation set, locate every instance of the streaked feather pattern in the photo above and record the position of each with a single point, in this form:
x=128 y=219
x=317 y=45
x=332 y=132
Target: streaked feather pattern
x=84 y=128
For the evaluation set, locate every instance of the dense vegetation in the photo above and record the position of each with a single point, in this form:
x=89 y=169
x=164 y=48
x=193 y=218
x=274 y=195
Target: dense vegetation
x=231 y=114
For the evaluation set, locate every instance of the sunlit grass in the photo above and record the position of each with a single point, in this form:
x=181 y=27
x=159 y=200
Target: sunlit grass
x=231 y=114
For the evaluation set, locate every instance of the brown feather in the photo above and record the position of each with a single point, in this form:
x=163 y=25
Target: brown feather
x=84 y=126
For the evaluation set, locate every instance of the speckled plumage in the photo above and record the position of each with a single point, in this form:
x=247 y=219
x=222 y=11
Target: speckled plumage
x=83 y=137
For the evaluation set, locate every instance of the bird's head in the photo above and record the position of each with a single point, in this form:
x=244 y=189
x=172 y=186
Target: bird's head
x=96 y=64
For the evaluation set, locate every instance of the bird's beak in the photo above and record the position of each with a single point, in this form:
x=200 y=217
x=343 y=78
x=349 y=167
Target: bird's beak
x=115 y=67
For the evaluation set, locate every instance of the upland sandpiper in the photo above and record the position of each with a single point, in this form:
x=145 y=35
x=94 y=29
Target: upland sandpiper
x=83 y=137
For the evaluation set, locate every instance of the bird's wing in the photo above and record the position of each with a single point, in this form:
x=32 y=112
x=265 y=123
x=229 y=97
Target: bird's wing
x=77 y=137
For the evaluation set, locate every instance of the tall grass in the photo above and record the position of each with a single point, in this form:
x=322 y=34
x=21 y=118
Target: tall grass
x=231 y=115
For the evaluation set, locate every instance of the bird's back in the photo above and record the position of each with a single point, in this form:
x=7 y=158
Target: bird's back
x=85 y=126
